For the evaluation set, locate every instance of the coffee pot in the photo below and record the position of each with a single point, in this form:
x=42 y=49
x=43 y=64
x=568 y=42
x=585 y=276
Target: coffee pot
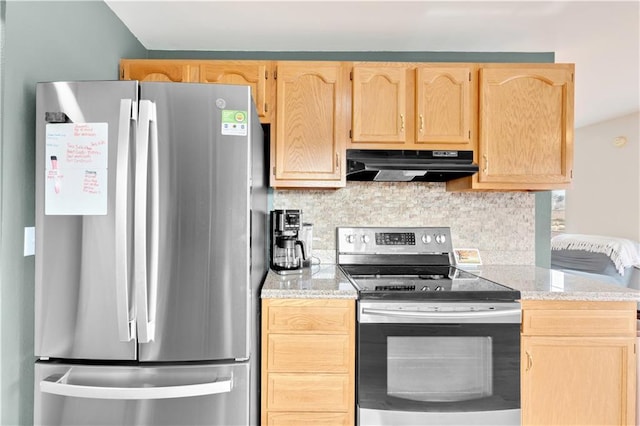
x=287 y=249
x=306 y=236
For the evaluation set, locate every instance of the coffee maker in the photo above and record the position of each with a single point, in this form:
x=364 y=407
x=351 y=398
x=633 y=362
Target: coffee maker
x=287 y=250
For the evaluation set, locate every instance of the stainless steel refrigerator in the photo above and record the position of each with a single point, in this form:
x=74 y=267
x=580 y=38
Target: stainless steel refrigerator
x=151 y=215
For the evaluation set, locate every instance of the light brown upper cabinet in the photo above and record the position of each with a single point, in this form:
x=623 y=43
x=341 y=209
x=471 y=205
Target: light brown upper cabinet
x=382 y=98
x=525 y=128
x=414 y=106
x=312 y=124
x=446 y=105
x=251 y=73
x=516 y=118
x=158 y=70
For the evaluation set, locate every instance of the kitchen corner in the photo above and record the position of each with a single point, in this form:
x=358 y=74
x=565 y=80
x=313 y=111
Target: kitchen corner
x=571 y=325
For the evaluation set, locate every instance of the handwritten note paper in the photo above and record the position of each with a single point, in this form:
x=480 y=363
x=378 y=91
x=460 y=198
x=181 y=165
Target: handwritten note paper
x=76 y=169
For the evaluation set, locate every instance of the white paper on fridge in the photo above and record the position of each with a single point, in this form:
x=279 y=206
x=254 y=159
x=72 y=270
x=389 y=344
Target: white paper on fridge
x=76 y=169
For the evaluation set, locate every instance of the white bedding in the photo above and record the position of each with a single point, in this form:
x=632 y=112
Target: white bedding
x=623 y=253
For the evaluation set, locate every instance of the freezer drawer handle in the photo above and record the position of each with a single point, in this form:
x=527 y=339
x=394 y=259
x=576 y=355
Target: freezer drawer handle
x=57 y=385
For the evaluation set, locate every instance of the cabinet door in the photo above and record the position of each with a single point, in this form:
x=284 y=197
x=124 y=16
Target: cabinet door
x=382 y=105
x=158 y=70
x=309 y=419
x=578 y=380
x=526 y=126
x=443 y=105
x=251 y=73
x=311 y=124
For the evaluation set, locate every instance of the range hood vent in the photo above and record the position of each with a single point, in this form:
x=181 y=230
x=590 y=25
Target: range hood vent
x=408 y=165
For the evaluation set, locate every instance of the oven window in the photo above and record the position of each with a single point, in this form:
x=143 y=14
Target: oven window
x=439 y=369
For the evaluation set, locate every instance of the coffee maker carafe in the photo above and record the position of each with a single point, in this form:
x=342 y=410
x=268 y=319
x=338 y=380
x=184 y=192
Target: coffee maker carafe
x=287 y=250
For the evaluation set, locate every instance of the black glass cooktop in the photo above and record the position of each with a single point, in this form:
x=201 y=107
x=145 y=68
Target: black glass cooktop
x=411 y=282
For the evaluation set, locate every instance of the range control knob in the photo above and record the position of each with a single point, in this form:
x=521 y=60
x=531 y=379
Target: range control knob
x=351 y=238
x=425 y=288
x=426 y=239
x=365 y=239
x=441 y=239
x=439 y=288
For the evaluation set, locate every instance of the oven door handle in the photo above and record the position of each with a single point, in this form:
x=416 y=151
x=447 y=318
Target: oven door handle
x=442 y=315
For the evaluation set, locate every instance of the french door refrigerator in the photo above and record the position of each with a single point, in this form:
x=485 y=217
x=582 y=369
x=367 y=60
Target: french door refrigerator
x=151 y=214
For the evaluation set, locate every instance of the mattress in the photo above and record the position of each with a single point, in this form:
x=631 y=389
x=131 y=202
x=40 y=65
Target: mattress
x=594 y=265
x=614 y=260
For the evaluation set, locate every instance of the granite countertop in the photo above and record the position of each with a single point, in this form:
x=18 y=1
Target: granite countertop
x=537 y=283
x=315 y=282
x=327 y=281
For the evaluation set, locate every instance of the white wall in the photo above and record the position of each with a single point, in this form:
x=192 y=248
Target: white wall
x=605 y=196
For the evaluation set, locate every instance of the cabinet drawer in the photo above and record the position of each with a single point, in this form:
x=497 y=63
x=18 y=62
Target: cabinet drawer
x=309 y=353
x=308 y=392
x=318 y=316
x=309 y=419
x=579 y=319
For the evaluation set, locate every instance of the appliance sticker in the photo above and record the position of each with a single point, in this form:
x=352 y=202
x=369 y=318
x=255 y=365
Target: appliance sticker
x=234 y=123
x=76 y=165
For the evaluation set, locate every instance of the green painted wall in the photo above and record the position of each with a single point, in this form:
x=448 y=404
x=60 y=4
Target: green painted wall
x=533 y=57
x=43 y=41
x=543 y=229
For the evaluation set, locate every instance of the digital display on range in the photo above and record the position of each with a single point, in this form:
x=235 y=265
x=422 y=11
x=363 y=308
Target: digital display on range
x=395 y=238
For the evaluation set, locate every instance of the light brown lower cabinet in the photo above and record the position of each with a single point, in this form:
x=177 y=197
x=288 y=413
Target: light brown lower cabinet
x=578 y=363
x=308 y=362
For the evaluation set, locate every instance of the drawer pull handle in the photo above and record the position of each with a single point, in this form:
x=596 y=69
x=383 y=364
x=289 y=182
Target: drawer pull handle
x=529 y=361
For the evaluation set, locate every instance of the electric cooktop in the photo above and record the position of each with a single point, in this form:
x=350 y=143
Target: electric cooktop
x=410 y=264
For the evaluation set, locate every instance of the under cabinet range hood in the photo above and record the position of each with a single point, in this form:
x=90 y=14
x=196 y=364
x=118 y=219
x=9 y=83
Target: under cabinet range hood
x=408 y=165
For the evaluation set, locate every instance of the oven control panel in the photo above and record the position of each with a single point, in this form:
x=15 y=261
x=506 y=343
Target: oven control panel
x=404 y=240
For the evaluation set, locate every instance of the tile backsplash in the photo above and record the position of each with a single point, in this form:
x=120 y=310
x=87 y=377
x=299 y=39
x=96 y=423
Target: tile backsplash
x=500 y=224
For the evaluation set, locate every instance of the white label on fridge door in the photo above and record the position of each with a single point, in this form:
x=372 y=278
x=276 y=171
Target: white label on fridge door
x=76 y=166
x=234 y=123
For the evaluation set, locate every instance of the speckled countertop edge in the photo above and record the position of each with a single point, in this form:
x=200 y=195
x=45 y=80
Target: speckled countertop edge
x=315 y=282
x=327 y=281
x=536 y=283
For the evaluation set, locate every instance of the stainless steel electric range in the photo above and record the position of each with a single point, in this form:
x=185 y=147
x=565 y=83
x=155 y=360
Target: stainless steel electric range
x=436 y=344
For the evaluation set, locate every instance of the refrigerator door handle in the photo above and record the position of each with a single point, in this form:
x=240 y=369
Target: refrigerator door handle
x=126 y=323
x=57 y=384
x=146 y=282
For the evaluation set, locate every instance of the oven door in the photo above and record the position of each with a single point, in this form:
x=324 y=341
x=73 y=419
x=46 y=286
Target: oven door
x=438 y=363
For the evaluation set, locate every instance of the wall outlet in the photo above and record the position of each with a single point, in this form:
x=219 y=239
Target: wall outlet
x=29 y=241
